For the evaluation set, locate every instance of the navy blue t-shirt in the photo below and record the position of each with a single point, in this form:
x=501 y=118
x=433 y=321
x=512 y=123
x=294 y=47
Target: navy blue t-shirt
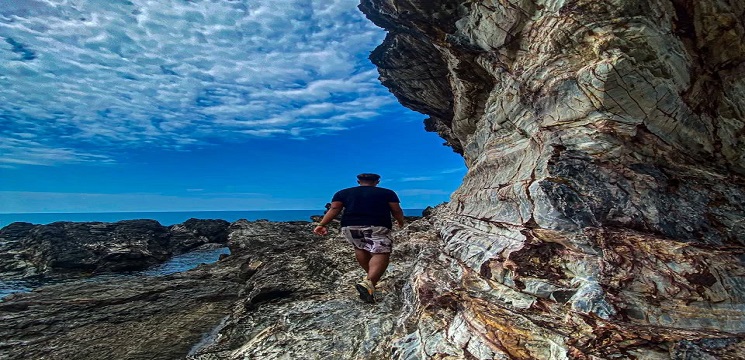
x=366 y=206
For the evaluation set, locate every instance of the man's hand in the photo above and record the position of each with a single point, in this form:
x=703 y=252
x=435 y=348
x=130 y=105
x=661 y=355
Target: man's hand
x=334 y=210
x=321 y=230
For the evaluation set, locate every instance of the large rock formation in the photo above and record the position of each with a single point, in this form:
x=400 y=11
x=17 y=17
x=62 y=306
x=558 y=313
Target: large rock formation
x=72 y=248
x=603 y=213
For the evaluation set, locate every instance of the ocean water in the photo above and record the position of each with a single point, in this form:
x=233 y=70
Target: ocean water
x=170 y=218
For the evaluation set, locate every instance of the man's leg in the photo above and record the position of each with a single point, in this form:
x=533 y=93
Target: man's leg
x=377 y=265
x=363 y=258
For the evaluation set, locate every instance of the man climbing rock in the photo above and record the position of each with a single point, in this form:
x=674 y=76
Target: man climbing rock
x=366 y=224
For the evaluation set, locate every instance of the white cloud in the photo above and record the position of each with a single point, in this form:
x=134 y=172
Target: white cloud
x=438 y=175
x=26 y=152
x=418 y=192
x=417 y=178
x=454 y=170
x=113 y=75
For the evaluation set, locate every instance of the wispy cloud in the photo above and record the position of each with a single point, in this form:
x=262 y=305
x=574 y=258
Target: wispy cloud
x=27 y=152
x=454 y=170
x=419 y=178
x=418 y=192
x=436 y=175
x=112 y=75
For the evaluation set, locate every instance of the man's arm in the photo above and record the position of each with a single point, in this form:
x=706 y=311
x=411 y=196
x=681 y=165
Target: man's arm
x=333 y=211
x=397 y=213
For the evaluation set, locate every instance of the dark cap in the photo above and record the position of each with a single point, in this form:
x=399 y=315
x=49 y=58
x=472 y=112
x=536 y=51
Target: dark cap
x=368 y=177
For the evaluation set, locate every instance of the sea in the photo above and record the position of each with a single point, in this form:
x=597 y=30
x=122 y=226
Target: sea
x=168 y=218
x=177 y=263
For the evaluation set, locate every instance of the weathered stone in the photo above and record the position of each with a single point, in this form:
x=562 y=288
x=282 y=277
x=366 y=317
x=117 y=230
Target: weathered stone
x=194 y=233
x=119 y=318
x=64 y=249
x=282 y=293
x=605 y=142
x=300 y=301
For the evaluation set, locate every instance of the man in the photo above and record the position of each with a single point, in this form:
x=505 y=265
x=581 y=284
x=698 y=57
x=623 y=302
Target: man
x=366 y=224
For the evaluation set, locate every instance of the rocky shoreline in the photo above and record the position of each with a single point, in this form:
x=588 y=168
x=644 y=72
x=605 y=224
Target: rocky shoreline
x=75 y=249
x=281 y=287
x=285 y=293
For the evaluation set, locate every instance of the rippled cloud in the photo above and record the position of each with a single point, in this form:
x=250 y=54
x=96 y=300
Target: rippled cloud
x=78 y=79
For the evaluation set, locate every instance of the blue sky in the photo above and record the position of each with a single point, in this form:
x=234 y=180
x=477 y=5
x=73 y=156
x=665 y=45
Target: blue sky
x=179 y=105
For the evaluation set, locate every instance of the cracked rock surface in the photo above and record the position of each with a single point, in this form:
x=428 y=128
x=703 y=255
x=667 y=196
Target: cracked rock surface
x=74 y=249
x=603 y=212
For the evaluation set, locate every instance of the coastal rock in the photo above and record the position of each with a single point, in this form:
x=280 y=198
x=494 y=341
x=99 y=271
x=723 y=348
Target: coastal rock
x=70 y=248
x=603 y=212
x=120 y=317
x=282 y=293
x=299 y=301
x=194 y=233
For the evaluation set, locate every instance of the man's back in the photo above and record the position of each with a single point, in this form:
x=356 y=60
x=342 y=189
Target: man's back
x=366 y=205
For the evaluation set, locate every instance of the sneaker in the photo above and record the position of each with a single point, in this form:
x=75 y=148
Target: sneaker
x=366 y=290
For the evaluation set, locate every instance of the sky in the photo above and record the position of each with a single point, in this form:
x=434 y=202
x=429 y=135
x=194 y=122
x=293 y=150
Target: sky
x=197 y=105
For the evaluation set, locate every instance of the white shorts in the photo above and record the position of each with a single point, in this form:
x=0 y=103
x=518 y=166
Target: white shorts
x=373 y=239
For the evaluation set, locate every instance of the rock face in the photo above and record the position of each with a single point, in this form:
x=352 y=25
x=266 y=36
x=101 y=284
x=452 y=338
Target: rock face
x=603 y=213
x=72 y=248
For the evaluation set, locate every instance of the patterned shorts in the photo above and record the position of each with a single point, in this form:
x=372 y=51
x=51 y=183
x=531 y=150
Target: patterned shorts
x=374 y=239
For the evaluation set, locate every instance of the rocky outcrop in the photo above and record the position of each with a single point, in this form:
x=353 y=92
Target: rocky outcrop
x=282 y=293
x=120 y=318
x=69 y=248
x=194 y=233
x=603 y=212
x=286 y=294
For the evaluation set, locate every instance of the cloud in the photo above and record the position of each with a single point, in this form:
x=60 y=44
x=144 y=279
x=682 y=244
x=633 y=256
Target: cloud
x=438 y=175
x=454 y=170
x=14 y=151
x=419 y=178
x=418 y=192
x=173 y=73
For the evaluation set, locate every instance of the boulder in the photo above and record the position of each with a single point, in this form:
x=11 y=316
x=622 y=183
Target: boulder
x=65 y=249
x=194 y=233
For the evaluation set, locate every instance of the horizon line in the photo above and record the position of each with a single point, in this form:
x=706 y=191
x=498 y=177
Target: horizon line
x=163 y=211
